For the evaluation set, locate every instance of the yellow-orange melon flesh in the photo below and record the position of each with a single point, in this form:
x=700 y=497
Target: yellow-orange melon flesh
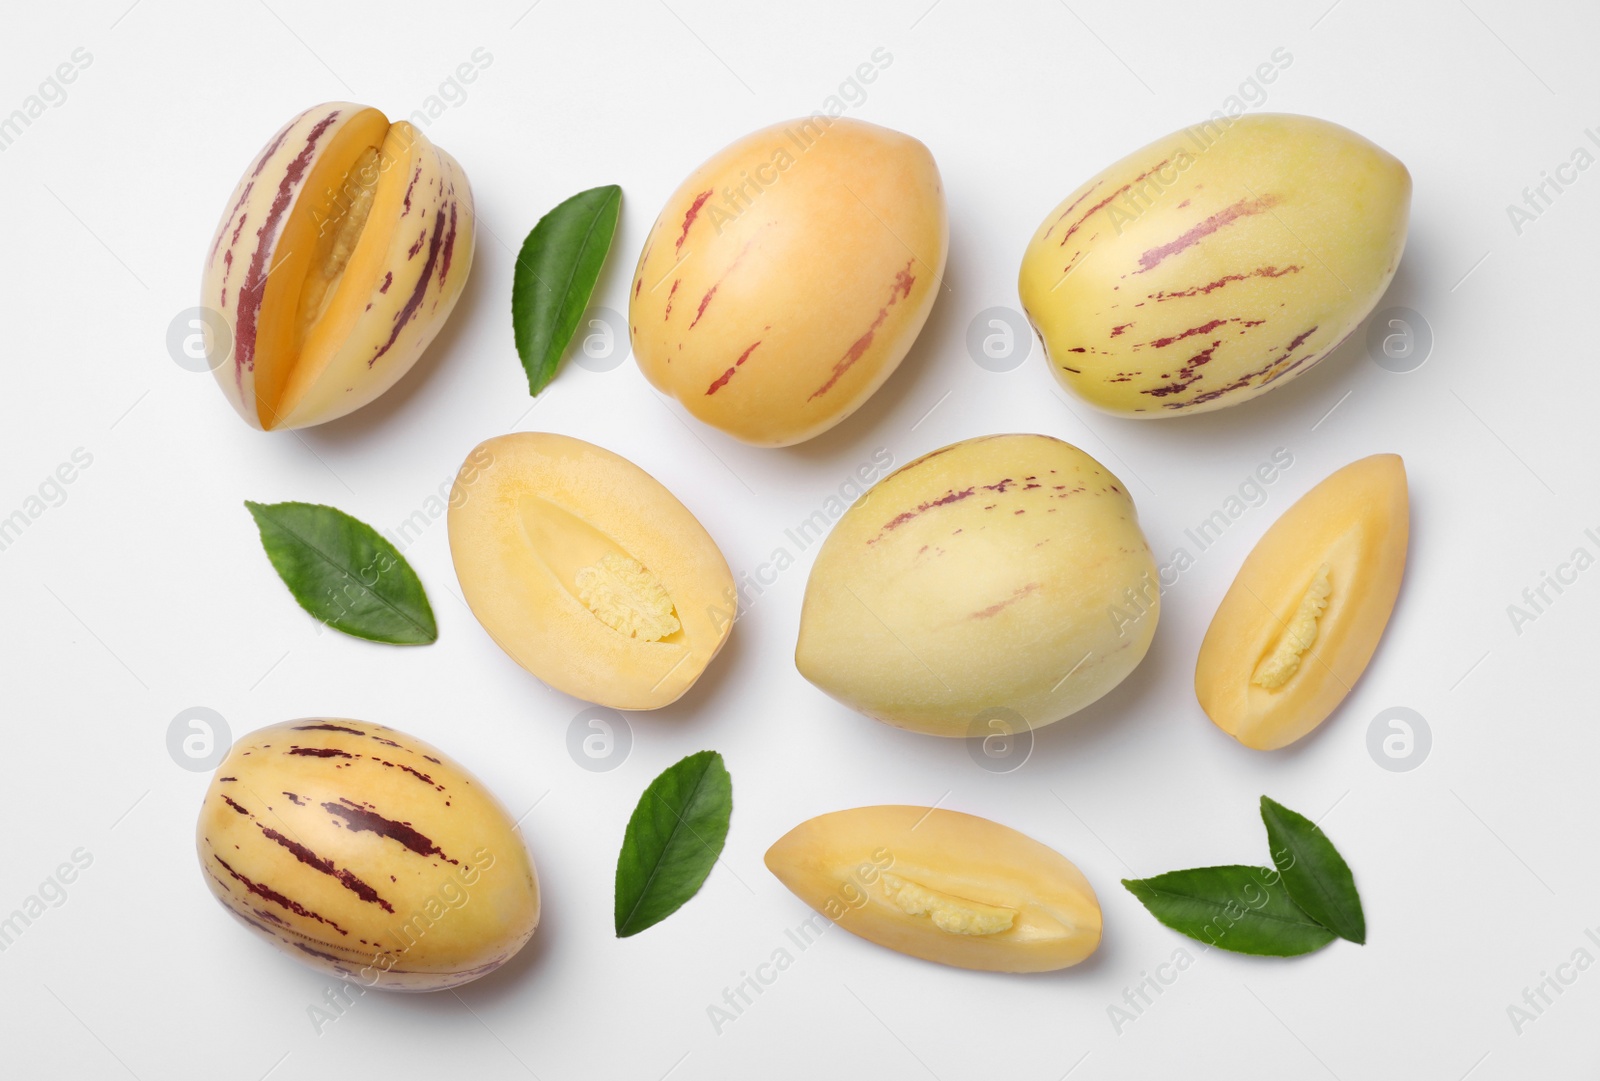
x=306 y=261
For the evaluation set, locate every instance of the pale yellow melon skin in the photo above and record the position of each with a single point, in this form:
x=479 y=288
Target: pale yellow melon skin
x=367 y=854
x=786 y=278
x=420 y=241
x=1000 y=573
x=529 y=512
x=1215 y=263
x=1357 y=522
x=853 y=866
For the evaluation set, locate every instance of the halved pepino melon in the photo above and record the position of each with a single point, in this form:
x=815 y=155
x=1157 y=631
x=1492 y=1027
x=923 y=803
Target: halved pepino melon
x=587 y=571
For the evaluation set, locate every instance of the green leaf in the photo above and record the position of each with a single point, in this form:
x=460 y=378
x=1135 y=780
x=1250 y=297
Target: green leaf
x=344 y=573
x=672 y=841
x=555 y=276
x=1314 y=873
x=1243 y=909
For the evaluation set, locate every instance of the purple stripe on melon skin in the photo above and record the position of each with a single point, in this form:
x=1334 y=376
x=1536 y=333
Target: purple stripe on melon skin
x=281 y=935
x=449 y=245
x=901 y=288
x=409 y=188
x=1244 y=208
x=693 y=212
x=857 y=349
x=722 y=380
x=1268 y=370
x=222 y=230
x=1203 y=290
x=272 y=147
x=418 y=774
x=414 y=301
x=359 y=819
x=1071 y=207
x=287 y=934
x=1299 y=340
x=267 y=893
x=1000 y=606
x=1310 y=360
x=1279 y=374
x=1211 y=395
x=902 y=518
x=388 y=280
x=1101 y=205
x=339 y=961
x=320 y=752
x=236 y=807
x=270 y=932
x=261 y=163
x=1205 y=328
x=903 y=281
x=345 y=878
x=1187 y=375
x=737 y=259
x=1244 y=380
x=323 y=726
x=252 y=291
x=705 y=302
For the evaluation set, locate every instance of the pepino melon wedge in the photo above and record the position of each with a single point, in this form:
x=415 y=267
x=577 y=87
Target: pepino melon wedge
x=1304 y=615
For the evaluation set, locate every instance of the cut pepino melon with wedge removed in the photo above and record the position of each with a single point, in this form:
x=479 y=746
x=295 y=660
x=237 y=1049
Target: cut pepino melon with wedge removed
x=339 y=257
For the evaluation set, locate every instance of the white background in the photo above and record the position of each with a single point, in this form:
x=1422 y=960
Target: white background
x=145 y=592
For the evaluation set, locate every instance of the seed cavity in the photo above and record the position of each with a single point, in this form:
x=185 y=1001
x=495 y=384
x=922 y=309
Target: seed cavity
x=338 y=233
x=1299 y=636
x=953 y=915
x=625 y=596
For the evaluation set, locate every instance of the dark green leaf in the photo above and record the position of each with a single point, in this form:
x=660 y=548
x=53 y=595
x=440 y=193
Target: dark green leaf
x=555 y=276
x=1314 y=873
x=1243 y=909
x=673 y=839
x=344 y=573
